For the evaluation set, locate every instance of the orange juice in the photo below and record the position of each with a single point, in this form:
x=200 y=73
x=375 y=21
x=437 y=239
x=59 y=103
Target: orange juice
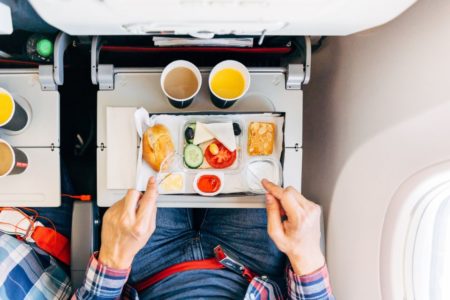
x=228 y=83
x=6 y=107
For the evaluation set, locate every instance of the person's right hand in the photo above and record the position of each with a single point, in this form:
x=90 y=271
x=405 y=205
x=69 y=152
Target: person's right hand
x=127 y=226
x=298 y=236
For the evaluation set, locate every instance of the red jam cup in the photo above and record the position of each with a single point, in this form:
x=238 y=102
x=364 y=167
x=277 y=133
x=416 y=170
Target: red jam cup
x=181 y=81
x=13 y=116
x=218 y=175
x=13 y=161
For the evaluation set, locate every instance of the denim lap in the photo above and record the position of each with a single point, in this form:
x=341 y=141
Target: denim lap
x=170 y=244
x=243 y=234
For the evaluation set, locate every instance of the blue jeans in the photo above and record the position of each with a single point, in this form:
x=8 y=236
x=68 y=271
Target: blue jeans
x=241 y=232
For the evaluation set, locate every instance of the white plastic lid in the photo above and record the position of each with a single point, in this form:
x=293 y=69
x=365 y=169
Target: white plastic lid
x=262 y=168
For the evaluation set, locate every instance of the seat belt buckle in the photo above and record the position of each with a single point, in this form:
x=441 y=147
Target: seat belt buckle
x=232 y=264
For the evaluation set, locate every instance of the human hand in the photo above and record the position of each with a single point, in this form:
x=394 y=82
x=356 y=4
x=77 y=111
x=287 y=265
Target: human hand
x=298 y=236
x=127 y=226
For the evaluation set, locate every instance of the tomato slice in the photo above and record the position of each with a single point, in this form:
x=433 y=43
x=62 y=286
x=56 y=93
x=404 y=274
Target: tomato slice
x=221 y=160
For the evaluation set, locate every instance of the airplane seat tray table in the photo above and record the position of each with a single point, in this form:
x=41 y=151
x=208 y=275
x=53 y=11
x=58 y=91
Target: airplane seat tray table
x=118 y=145
x=39 y=185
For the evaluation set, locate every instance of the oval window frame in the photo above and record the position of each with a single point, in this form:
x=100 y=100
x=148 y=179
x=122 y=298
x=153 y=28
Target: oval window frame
x=401 y=227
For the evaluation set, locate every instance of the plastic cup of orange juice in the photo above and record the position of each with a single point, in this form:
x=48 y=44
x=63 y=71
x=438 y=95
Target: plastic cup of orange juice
x=228 y=82
x=13 y=116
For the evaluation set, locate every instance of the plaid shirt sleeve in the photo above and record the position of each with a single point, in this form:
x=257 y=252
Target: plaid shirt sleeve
x=102 y=282
x=315 y=286
x=263 y=288
x=29 y=273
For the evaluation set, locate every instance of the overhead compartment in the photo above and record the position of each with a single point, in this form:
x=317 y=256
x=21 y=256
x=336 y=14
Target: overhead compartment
x=208 y=17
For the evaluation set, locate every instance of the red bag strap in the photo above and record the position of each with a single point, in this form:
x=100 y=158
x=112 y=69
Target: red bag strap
x=53 y=243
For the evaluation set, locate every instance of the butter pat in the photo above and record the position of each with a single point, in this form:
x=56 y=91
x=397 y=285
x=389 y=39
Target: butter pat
x=171 y=183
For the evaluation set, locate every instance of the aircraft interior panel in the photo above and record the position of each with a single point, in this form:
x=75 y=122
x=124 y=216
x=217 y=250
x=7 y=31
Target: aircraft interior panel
x=350 y=99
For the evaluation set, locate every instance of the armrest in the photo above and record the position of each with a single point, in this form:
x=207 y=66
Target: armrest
x=82 y=241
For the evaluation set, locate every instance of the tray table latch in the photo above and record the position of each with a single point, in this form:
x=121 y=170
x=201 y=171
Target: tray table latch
x=300 y=74
x=295 y=76
x=105 y=75
x=50 y=76
x=101 y=74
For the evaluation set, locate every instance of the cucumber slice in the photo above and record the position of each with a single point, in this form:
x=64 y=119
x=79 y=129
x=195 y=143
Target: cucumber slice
x=193 y=156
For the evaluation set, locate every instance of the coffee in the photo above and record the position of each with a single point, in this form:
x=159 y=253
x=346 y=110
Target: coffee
x=6 y=158
x=12 y=160
x=181 y=83
x=6 y=107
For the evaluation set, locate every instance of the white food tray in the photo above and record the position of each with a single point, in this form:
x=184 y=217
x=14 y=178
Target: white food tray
x=235 y=179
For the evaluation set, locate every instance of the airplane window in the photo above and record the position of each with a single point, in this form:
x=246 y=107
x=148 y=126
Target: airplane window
x=431 y=259
x=415 y=260
x=440 y=265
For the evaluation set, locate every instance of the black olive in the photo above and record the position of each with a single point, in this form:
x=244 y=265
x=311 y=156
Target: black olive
x=189 y=134
x=237 y=129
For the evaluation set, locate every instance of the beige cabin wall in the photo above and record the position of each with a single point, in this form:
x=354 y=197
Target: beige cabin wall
x=377 y=111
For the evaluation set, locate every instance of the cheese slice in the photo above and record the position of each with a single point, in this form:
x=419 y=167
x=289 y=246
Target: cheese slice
x=224 y=133
x=202 y=134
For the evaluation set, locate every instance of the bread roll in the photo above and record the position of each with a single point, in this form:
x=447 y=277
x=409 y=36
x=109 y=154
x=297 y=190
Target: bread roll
x=157 y=144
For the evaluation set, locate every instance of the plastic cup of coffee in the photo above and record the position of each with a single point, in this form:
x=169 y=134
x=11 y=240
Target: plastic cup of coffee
x=181 y=81
x=228 y=82
x=13 y=161
x=13 y=116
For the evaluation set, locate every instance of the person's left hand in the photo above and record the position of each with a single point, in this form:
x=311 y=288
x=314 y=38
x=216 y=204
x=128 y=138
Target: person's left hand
x=299 y=235
x=127 y=226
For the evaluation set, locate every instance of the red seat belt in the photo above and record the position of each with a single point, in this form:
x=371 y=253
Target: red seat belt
x=221 y=261
x=206 y=264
